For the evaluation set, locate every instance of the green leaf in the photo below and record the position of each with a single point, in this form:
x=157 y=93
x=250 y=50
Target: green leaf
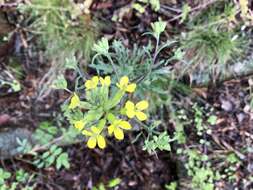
x=63 y=160
x=15 y=85
x=179 y=54
x=21 y=175
x=50 y=160
x=161 y=142
x=158 y=27
x=185 y=12
x=6 y=175
x=212 y=120
x=115 y=100
x=45 y=154
x=60 y=82
x=71 y=62
x=101 y=186
x=101 y=124
x=155 y=4
x=53 y=148
x=52 y=130
x=111 y=118
x=114 y=182
x=105 y=68
x=231 y=158
x=57 y=151
x=171 y=186
x=93 y=115
x=85 y=105
x=139 y=7
x=40 y=165
x=102 y=47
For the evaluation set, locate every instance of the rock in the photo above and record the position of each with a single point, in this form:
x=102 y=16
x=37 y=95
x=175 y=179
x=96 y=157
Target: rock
x=8 y=141
x=226 y=105
x=4 y=118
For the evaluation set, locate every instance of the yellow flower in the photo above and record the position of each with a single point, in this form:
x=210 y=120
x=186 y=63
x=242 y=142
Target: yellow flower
x=79 y=125
x=74 y=102
x=116 y=128
x=123 y=85
x=91 y=84
x=136 y=110
x=95 y=138
x=105 y=81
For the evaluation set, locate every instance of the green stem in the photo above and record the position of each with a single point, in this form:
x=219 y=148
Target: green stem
x=113 y=66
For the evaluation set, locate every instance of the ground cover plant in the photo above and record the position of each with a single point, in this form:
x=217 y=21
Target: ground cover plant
x=132 y=94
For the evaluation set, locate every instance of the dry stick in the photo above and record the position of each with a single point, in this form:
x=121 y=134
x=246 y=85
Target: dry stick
x=164 y=10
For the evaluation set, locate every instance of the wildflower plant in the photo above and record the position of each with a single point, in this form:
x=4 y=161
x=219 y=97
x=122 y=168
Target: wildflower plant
x=104 y=109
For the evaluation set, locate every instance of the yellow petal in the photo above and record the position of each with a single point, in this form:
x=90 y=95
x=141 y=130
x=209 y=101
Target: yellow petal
x=141 y=116
x=130 y=109
x=74 y=102
x=95 y=80
x=129 y=105
x=88 y=84
x=130 y=113
x=125 y=125
x=142 y=105
x=92 y=142
x=101 y=141
x=107 y=80
x=118 y=133
x=110 y=129
x=79 y=124
x=123 y=81
x=131 y=87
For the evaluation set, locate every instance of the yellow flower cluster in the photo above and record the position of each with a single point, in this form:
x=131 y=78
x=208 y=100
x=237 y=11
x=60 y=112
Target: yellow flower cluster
x=136 y=110
x=95 y=138
x=116 y=124
x=124 y=85
x=94 y=81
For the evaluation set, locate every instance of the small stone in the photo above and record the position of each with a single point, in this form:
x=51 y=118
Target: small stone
x=226 y=105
